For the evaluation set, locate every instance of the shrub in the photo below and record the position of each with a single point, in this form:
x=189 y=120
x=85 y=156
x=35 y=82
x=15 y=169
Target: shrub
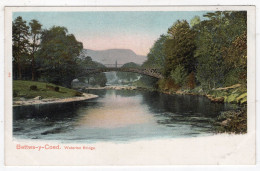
x=179 y=75
x=191 y=81
x=15 y=93
x=33 y=87
x=50 y=87
x=57 y=89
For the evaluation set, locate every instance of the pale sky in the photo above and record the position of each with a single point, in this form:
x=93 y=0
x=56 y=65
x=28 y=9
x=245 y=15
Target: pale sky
x=135 y=30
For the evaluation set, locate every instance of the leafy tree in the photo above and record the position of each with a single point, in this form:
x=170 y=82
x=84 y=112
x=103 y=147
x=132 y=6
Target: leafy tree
x=85 y=62
x=179 y=75
x=215 y=36
x=156 y=56
x=195 y=21
x=235 y=58
x=58 y=55
x=179 y=47
x=35 y=33
x=20 y=33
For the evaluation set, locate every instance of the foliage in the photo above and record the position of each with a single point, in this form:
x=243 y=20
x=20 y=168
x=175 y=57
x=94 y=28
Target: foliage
x=195 y=21
x=58 y=55
x=179 y=47
x=156 y=56
x=168 y=85
x=216 y=48
x=235 y=58
x=86 y=62
x=233 y=121
x=128 y=76
x=146 y=82
x=179 y=75
x=20 y=34
x=191 y=82
x=35 y=34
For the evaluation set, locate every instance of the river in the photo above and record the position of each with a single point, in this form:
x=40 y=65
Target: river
x=118 y=115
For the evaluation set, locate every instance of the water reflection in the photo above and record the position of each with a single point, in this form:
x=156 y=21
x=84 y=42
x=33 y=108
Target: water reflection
x=118 y=115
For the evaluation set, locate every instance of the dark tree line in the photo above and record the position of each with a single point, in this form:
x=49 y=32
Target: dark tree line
x=210 y=53
x=49 y=55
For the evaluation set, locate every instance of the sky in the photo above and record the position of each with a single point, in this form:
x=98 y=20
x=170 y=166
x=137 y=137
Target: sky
x=101 y=30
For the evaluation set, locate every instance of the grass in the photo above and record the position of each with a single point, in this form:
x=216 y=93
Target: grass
x=22 y=89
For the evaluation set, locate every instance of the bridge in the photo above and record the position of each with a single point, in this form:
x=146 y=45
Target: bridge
x=118 y=68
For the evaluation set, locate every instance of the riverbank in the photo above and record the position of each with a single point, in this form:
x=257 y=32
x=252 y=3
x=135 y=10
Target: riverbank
x=33 y=92
x=53 y=100
x=231 y=121
x=232 y=94
x=113 y=88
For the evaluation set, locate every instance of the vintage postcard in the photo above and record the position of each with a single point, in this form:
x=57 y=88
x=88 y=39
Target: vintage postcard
x=129 y=85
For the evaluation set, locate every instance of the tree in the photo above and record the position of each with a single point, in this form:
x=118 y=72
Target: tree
x=86 y=62
x=20 y=33
x=156 y=56
x=35 y=33
x=214 y=40
x=179 y=75
x=179 y=47
x=195 y=21
x=58 y=55
x=235 y=58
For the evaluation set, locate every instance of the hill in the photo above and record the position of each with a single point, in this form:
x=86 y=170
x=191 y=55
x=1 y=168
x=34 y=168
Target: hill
x=110 y=56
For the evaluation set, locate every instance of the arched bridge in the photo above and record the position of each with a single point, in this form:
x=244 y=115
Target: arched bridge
x=109 y=67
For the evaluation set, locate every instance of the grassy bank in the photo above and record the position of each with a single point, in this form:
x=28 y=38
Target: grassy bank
x=32 y=89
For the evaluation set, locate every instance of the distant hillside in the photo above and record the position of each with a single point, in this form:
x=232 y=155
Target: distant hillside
x=109 y=56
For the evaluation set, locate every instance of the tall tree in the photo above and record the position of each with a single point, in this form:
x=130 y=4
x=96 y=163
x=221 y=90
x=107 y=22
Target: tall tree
x=35 y=33
x=58 y=55
x=179 y=47
x=215 y=37
x=20 y=33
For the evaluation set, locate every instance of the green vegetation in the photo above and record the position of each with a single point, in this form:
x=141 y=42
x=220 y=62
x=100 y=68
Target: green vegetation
x=203 y=56
x=206 y=57
x=128 y=76
x=23 y=89
x=98 y=79
x=49 y=55
x=232 y=121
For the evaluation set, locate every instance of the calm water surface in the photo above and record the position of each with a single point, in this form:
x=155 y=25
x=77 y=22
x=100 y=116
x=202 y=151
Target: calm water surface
x=118 y=115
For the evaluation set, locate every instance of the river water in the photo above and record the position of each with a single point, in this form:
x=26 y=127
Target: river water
x=118 y=115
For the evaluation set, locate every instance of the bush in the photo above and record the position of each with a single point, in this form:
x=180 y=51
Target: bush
x=167 y=84
x=15 y=93
x=57 y=89
x=233 y=121
x=50 y=87
x=33 y=87
x=179 y=75
x=191 y=81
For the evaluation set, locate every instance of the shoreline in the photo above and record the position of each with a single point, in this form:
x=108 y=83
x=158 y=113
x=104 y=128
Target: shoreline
x=210 y=97
x=53 y=100
x=119 y=87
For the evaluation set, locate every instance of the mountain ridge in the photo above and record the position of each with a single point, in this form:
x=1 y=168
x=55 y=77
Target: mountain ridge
x=110 y=56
